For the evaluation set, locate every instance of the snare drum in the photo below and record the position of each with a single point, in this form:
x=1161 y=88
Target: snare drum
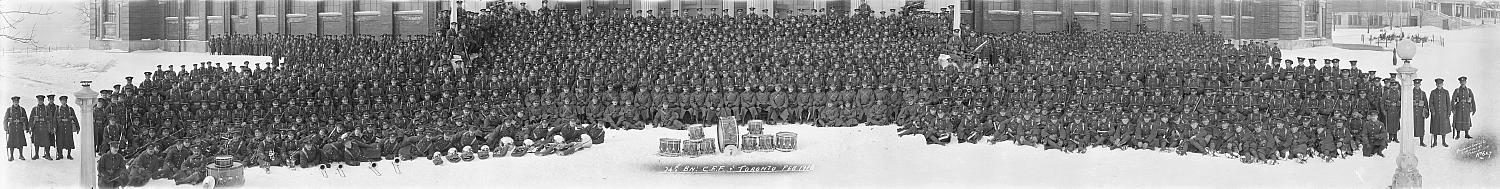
x=767 y=143
x=786 y=141
x=749 y=143
x=670 y=147
x=692 y=147
x=755 y=127
x=695 y=132
x=708 y=147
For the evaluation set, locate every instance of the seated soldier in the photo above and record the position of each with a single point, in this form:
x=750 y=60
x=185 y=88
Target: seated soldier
x=112 y=166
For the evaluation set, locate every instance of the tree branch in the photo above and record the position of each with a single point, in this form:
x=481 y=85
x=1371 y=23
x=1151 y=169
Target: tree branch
x=22 y=40
x=28 y=12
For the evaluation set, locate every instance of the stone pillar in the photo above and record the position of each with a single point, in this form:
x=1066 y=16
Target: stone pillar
x=1406 y=165
x=1105 y=18
x=977 y=15
x=1027 y=17
x=1067 y=17
x=1136 y=15
x=88 y=160
x=280 y=11
x=430 y=11
x=1166 y=15
x=1215 y=12
x=349 y=20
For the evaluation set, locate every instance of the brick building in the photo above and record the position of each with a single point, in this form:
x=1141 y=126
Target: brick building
x=1293 y=23
x=1448 y=14
x=183 y=25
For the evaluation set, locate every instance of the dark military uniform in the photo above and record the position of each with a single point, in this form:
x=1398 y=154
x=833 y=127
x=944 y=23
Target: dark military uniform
x=16 y=128
x=41 y=127
x=67 y=124
x=1441 y=107
x=1463 y=108
x=1420 y=103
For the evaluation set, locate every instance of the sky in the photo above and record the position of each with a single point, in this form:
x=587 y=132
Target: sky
x=60 y=29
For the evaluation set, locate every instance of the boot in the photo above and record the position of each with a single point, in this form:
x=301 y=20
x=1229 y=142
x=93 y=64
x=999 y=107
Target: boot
x=1435 y=141
x=1445 y=142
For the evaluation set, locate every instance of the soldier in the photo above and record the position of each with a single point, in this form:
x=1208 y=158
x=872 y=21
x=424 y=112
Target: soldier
x=668 y=117
x=15 y=129
x=829 y=116
x=67 y=124
x=111 y=163
x=875 y=114
x=1377 y=140
x=1463 y=108
x=1392 y=108
x=1441 y=107
x=1420 y=104
x=41 y=128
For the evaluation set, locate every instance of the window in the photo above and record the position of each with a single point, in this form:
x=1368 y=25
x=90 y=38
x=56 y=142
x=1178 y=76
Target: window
x=1203 y=8
x=1119 y=6
x=408 y=5
x=1151 y=7
x=1000 y=5
x=1082 y=5
x=1312 y=10
x=1247 y=9
x=1180 y=6
x=1228 y=8
x=261 y=8
x=237 y=9
x=1045 y=5
x=210 y=8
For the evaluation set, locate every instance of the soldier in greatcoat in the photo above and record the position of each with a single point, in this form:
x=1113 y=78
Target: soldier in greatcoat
x=41 y=128
x=1441 y=107
x=67 y=125
x=1419 y=99
x=1463 y=108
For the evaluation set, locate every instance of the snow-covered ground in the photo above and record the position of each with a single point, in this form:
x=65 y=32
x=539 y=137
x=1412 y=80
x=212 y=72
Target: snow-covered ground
x=854 y=157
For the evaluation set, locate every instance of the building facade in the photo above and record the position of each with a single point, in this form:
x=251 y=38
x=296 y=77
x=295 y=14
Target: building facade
x=184 y=25
x=1409 y=13
x=1286 y=20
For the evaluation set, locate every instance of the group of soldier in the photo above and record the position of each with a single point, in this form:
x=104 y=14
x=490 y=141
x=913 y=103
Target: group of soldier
x=51 y=125
x=552 y=78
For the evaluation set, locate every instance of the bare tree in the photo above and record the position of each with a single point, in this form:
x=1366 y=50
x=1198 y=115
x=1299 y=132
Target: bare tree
x=12 y=22
x=86 y=11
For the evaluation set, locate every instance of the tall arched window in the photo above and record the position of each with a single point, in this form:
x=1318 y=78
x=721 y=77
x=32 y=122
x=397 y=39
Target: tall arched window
x=1311 y=9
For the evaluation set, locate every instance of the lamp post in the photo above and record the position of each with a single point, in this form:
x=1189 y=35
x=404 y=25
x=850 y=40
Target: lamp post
x=1406 y=164
x=86 y=100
